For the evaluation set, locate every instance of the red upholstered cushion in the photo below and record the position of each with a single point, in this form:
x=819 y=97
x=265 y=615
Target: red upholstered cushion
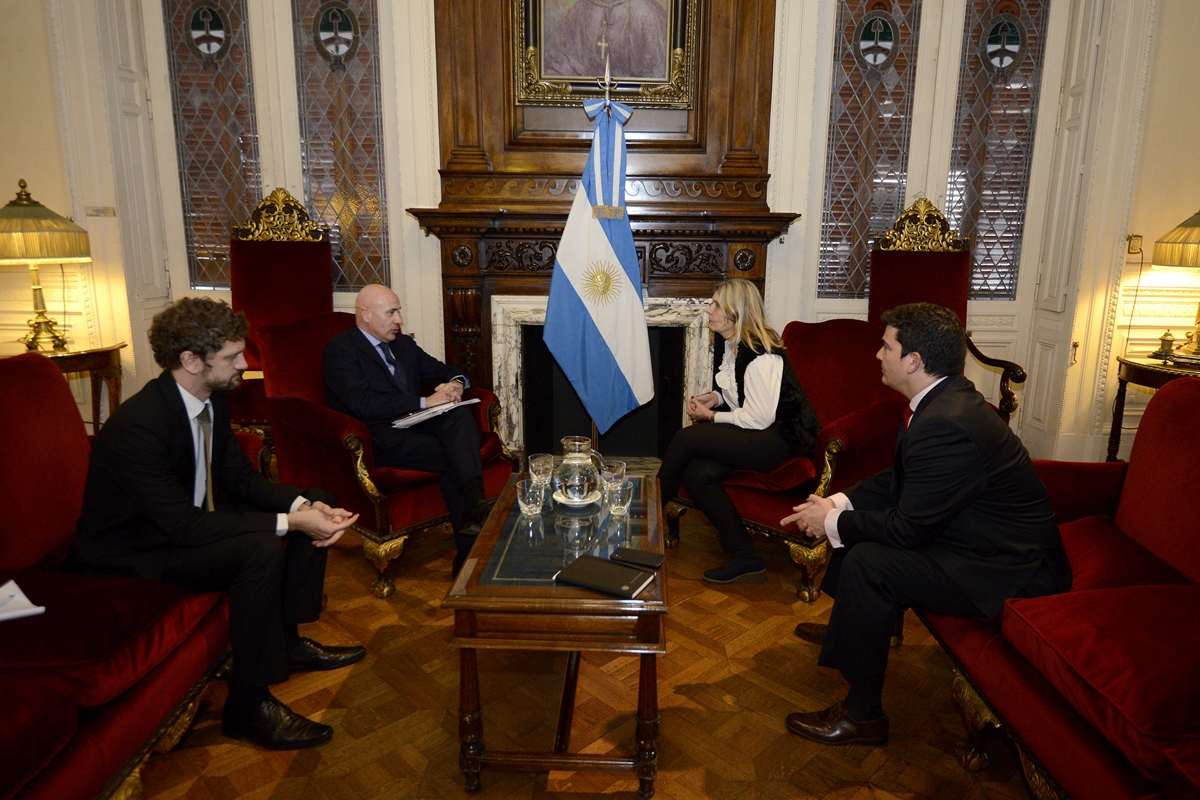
x=1102 y=557
x=835 y=363
x=37 y=723
x=43 y=460
x=1159 y=504
x=1081 y=489
x=292 y=355
x=278 y=282
x=901 y=276
x=1081 y=760
x=1127 y=661
x=99 y=636
x=1180 y=779
x=111 y=734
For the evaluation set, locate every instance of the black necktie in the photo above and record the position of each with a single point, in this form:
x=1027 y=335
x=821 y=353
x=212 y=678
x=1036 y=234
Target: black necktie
x=390 y=358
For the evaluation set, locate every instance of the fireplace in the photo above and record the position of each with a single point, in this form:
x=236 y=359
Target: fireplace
x=513 y=313
x=558 y=411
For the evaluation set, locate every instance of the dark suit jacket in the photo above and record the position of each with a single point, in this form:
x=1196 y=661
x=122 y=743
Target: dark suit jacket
x=137 y=505
x=963 y=491
x=358 y=383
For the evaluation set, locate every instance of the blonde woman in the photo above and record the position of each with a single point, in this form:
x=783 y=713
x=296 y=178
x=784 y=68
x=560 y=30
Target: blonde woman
x=756 y=417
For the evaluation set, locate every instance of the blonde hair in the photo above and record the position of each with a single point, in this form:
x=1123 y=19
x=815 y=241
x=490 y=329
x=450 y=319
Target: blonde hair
x=742 y=305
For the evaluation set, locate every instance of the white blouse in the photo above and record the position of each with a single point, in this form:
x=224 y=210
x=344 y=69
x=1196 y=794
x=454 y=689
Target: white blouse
x=764 y=376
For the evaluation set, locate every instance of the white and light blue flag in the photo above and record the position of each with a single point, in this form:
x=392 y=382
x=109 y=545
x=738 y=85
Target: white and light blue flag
x=595 y=321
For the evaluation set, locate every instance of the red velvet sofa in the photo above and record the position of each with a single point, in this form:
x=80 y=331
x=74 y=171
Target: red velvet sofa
x=114 y=668
x=1100 y=686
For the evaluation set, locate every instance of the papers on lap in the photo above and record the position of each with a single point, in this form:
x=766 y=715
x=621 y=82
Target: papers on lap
x=14 y=604
x=417 y=417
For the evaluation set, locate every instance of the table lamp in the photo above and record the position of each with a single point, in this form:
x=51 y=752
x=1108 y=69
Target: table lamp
x=1180 y=248
x=32 y=234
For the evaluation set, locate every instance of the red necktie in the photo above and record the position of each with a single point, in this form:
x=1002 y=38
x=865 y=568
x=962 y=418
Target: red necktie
x=908 y=412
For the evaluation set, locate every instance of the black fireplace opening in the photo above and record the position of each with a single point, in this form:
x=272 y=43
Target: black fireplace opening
x=552 y=408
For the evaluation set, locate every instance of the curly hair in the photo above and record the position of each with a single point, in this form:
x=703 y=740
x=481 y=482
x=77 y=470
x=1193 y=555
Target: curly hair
x=197 y=324
x=933 y=331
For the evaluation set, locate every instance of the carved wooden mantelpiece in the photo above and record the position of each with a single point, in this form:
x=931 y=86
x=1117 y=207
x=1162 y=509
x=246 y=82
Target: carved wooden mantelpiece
x=502 y=252
x=696 y=180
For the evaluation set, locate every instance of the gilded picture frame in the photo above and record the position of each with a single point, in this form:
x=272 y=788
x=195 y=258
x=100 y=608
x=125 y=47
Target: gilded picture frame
x=559 y=49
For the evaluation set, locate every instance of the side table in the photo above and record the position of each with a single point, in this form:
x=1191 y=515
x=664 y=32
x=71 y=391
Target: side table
x=1149 y=372
x=104 y=366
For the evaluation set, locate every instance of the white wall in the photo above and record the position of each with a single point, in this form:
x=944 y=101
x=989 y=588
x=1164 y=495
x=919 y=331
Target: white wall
x=1166 y=193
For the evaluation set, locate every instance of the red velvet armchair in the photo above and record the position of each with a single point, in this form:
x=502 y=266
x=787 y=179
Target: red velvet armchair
x=921 y=260
x=835 y=362
x=1098 y=686
x=280 y=270
x=318 y=446
x=113 y=670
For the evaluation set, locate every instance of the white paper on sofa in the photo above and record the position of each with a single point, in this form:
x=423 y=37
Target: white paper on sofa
x=14 y=604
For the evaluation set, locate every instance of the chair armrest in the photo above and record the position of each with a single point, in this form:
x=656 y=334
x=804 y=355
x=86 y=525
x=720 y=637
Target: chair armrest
x=1010 y=372
x=1081 y=489
x=864 y=426
x=482 y=410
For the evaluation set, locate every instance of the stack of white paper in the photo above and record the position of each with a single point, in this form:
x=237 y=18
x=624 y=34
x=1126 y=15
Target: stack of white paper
x=14 y=604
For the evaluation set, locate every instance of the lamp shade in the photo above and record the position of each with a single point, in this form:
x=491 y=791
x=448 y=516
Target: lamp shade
x=30 y=233
x=1180 y=247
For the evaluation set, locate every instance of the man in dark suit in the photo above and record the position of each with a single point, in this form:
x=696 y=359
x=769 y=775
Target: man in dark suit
x=171 y=497
x=375 y=375
x=960 y=523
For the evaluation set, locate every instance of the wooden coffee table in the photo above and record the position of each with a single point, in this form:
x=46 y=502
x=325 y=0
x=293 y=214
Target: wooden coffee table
x=505 y=598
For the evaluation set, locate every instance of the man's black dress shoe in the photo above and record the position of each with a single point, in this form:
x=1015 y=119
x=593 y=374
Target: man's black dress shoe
x=309 y=656
x=736 y=573
x=274 y=726
x=812 y=631
x=834 y=726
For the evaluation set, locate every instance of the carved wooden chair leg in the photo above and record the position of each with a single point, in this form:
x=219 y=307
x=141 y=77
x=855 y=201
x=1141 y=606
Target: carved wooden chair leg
x=811 y=561
x=673 y=511
x=380 y=555
x=1040 y=784
x=979 y=720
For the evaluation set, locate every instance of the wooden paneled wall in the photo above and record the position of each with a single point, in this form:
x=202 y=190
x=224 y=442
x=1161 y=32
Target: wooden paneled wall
x=696 y=187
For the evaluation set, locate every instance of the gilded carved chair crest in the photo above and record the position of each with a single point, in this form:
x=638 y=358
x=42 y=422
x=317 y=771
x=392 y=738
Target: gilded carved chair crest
x=280 y=218
x=921 y=226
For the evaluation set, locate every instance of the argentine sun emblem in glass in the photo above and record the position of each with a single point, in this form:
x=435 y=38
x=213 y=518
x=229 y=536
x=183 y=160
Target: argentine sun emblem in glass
x=595 y=321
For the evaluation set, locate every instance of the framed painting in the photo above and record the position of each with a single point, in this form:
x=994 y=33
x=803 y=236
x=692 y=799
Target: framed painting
x=561 y=46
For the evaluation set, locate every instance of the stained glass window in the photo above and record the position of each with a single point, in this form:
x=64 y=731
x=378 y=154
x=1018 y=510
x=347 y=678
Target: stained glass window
x=875 y=62
x=216 y=138
x=998 y=89
x=341 y=131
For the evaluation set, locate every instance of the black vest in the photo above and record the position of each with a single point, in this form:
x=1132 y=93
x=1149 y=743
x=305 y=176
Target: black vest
x=795 y=420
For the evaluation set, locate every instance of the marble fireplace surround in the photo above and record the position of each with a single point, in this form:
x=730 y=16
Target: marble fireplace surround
x=510 y=312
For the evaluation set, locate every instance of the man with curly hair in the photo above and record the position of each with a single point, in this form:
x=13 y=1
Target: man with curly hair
x=171 y=497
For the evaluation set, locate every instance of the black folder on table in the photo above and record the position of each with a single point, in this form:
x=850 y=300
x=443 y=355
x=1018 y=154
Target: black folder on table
x=605 y=576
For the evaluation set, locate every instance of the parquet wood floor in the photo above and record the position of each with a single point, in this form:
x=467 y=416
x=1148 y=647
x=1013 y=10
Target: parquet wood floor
x=732 y=671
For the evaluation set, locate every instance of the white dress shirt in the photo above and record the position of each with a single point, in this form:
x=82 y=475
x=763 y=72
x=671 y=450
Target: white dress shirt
x=841 y=502
x=763 y=378
x=194 y=406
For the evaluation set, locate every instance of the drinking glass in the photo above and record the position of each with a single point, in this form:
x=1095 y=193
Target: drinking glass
x=619 y=497
x=541 y=467
x=530 y=496
x=613 y=473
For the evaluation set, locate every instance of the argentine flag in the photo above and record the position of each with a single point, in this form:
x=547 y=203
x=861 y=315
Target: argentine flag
x=595 y=322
